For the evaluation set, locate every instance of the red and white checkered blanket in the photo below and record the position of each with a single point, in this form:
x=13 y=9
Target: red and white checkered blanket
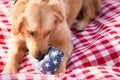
x=96 y=49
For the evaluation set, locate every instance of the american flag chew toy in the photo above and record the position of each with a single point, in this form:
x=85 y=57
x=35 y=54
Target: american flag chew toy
x=50 y=62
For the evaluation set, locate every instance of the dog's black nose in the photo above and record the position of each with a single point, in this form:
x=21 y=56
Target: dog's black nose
x=39 y=56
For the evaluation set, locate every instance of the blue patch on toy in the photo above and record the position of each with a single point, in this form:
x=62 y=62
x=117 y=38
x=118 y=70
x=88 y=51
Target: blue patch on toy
x=50 y=62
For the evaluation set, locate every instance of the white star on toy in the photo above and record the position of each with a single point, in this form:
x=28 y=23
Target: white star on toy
x=54 y=53
x=48 y=72
x=55 y=62
x=47 y=65
x=55 y=69
x=41 y=69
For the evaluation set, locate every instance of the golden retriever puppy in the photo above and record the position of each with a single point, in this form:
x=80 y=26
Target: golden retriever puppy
x=37 y=24
x=40 y=23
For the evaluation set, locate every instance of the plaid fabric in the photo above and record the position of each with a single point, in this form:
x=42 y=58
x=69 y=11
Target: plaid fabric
x=96 y=49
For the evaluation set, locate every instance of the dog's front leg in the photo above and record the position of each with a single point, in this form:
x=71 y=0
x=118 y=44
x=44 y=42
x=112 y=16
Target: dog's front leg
x=15 y=54
x=67 y=48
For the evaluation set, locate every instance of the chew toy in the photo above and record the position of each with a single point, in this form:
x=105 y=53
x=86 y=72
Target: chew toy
x=50 y=62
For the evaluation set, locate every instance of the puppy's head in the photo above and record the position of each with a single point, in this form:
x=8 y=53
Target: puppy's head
x=36 y=25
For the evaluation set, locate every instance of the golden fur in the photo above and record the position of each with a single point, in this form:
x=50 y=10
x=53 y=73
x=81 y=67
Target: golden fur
x=39 y=23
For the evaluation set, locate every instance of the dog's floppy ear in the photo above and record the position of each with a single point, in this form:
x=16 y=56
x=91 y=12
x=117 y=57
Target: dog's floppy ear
x=56 y=10
x=59 y=16
x=17 y=25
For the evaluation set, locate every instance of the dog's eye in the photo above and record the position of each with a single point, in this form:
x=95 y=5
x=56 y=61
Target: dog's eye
x=47 y=33
x=55 y=22
x=32 y=33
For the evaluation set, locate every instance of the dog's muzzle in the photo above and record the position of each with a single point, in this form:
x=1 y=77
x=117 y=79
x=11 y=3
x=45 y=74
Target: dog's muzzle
x=39 y=56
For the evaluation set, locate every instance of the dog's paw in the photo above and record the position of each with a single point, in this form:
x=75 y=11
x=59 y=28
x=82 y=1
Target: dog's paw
x=61 y=69
x=8 y=71
x=81 y=26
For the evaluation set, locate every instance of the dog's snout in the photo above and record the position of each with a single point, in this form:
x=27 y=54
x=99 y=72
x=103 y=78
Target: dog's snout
x=39 y=56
